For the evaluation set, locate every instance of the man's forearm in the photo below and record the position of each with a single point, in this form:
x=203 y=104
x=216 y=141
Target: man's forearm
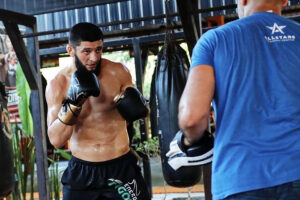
x=59 y=133
x=193 y=132
x=193 y=124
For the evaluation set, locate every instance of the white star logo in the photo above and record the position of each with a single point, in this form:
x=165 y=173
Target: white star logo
x=275 y=28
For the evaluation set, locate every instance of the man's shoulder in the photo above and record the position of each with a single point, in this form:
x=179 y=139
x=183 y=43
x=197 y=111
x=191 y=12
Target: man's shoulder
x=113 y=66
x=117 y=71
x=107 y=62
x=60 y=80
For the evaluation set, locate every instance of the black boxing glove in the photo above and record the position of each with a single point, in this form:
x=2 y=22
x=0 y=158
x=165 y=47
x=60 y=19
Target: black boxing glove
x=131 y=104
x=83 y=84
x=199 y=153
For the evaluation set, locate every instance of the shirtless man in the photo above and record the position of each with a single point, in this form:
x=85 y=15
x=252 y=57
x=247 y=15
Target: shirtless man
x=98 y=98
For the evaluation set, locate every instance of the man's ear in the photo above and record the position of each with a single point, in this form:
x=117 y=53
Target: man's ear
x=70 y=50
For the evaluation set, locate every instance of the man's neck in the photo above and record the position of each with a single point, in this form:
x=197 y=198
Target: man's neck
x=263 y=8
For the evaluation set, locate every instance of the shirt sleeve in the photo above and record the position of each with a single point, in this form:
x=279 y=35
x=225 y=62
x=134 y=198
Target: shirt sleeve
x=203 y=52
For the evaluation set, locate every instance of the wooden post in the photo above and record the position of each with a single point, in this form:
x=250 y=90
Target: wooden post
x=139 y=70
x=186 y=11
x=40 y=146
x=31 y=69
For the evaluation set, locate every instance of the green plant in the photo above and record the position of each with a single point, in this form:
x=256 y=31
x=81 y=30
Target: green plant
x=54 y=180
x=149 y=147
x=63 y=154
x=23 y=91
x=54 y=175
x=24 y=159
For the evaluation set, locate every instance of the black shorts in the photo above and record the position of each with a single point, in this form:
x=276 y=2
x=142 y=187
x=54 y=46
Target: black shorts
x=117 y=179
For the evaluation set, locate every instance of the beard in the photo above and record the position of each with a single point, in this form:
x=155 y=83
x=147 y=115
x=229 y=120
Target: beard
x=81 y=66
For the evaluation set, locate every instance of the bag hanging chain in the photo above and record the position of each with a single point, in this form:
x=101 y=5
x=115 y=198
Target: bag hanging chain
x=170 y=32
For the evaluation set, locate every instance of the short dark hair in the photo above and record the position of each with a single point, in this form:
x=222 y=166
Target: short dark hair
x=84 y=31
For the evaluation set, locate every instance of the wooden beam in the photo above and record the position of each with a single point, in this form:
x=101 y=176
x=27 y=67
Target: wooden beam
x=14 y=35
x=31 y=69
x=206 y=172
x=186 y=11
x=40 y=128
x=40 y=146
x=143 y=128
x=17 y=18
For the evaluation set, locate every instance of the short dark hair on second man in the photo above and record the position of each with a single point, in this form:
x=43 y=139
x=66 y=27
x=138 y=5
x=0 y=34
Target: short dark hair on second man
x=84 y=31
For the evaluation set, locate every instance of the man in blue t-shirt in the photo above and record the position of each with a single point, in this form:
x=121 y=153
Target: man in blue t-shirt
x=250 y=70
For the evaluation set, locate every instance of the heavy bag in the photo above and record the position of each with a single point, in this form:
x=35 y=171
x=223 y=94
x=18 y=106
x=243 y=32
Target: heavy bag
x=171 y=76
x=6 y=151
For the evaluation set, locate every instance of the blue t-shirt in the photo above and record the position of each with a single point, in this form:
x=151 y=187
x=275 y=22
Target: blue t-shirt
x=256 y=61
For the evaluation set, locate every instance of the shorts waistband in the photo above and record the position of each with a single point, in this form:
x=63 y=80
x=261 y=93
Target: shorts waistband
x=127 y=156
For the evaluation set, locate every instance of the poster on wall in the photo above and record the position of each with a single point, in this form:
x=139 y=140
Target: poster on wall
x=8 y=69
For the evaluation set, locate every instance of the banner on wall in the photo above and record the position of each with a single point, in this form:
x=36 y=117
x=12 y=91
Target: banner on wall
x=8 y=70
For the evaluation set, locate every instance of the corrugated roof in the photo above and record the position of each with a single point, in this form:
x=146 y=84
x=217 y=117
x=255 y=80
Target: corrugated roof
x=120 y=11
x=102 y=14
x=61 y=16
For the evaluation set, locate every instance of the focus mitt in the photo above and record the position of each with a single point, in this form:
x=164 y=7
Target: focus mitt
x=199 y=153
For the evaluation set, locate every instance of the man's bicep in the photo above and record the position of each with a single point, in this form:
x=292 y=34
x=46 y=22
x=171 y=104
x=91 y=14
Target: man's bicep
x=126 y=78
x=54 y=100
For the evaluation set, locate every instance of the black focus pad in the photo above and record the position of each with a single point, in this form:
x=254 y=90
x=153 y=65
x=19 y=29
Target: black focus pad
x=83 y=84
x=200 y=147
x=199 y=153
x=132 y=105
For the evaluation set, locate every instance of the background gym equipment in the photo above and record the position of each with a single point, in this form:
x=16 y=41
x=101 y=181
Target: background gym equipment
x=170 y=79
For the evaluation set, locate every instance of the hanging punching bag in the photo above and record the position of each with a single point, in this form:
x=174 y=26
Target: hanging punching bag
x=171 y=75
x=6 y=151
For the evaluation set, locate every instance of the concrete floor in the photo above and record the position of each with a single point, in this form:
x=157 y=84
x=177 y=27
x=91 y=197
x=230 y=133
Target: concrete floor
x=178 y=196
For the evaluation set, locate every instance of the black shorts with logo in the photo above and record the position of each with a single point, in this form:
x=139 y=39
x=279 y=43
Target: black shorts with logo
x=117 y=179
